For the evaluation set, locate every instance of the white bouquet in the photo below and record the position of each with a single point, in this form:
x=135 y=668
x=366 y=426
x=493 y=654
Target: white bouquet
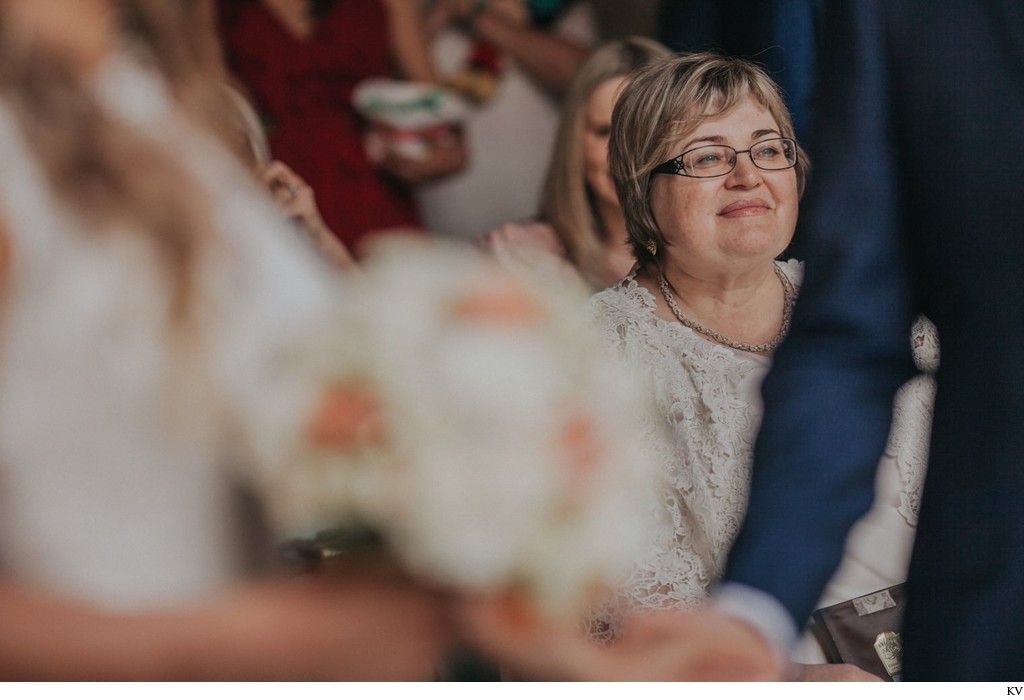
x=504 y=456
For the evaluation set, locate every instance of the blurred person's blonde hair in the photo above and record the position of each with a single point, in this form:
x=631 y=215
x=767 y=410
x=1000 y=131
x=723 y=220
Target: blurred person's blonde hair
x=567 y=203
x=106 y=173
x=663 y=103
x=179 y=39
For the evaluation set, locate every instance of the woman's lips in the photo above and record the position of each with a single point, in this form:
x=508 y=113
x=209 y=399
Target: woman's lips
x=745 y=207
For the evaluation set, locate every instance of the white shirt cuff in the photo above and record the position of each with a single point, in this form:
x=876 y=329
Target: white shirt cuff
x=761 y=611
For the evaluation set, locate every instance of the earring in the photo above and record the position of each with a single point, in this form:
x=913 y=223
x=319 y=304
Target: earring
x=652 y=247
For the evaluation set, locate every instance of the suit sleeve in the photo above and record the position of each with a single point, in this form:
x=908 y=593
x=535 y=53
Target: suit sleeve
x=828 y=398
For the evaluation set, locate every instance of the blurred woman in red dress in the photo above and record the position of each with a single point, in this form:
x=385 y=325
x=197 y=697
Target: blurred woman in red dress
x=301 y=60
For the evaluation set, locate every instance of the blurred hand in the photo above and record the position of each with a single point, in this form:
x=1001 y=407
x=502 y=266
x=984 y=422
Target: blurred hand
x=530 y=245
x=520 y=236
x=663 y=646
x=442 y=159
x=298 y=202
x=293 y=195
x=439 y=162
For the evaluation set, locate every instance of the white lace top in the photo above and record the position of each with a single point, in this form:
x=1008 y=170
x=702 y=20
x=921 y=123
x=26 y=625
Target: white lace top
x=709 y=395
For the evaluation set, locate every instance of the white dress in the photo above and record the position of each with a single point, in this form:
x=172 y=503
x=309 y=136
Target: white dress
x=509 y=139
x=116 y=436
x=709 y=395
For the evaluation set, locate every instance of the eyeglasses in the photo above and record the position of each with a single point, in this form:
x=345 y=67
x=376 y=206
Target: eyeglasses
x=717 y=160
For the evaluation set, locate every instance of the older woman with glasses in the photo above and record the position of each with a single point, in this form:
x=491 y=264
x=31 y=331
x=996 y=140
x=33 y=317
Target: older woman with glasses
x=709 y=181
x=710 y=177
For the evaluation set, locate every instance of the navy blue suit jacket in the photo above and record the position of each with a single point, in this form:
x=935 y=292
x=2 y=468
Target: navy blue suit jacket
x=916 y=205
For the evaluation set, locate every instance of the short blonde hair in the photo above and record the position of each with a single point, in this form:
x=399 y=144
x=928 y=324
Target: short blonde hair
x=663 y=103
x=567 y=203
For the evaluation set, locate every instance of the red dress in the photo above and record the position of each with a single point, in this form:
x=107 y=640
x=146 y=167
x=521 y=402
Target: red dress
x=304 y=88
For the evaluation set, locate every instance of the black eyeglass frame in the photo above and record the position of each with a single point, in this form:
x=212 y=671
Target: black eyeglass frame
x=674 y=166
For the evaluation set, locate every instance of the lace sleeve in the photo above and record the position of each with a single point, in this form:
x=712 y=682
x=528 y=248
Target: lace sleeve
x=912 y=419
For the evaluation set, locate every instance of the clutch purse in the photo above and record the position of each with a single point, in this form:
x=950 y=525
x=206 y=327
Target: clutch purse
x=864 y=632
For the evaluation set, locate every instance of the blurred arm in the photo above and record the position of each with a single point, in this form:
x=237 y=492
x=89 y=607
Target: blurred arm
x=409 y=46
x=549 y=59
x=298 y=201
x=355 y=629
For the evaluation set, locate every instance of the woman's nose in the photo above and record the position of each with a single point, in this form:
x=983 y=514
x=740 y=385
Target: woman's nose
x=745 y=173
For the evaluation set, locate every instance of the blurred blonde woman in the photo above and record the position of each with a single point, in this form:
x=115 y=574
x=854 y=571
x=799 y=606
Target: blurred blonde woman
x=154 y=319
x=580 y=218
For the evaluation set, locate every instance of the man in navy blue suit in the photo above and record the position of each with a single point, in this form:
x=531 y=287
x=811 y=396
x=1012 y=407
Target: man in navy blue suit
x=916 y=206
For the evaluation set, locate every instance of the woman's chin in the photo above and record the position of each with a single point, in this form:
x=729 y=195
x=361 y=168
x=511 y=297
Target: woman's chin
x=756 y=244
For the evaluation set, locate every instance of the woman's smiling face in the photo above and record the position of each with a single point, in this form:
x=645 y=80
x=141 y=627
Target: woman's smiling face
x=726 y=223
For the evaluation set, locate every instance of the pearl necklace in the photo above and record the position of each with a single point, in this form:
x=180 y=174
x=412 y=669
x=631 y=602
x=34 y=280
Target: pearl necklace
x=787 y=316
